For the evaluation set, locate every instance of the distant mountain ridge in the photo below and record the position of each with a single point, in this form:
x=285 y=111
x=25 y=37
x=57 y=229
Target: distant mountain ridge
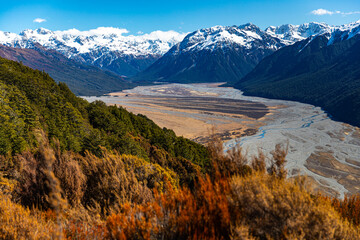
x=290 y=34
x=104 y=47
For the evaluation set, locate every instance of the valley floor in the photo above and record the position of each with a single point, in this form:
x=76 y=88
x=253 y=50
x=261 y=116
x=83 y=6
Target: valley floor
x=326 y=151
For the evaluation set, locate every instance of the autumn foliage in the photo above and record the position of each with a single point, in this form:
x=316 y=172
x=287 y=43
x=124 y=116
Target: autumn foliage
x=349 y=207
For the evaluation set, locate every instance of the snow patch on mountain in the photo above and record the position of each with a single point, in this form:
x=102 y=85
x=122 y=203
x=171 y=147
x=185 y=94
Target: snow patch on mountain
x=344 y=32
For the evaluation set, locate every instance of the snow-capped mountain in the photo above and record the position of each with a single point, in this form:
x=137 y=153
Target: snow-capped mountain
x=114 y=50
x=104 y=47
x=344 y=32
x=246 y=36
x=289 y=34
x=217 y=54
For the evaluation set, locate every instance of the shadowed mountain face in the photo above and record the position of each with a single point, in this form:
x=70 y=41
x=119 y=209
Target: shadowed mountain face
x=323 y=71
x=203 y=66
x=81 y=79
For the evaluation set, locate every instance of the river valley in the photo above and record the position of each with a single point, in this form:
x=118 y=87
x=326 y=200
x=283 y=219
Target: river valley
x=326 y=151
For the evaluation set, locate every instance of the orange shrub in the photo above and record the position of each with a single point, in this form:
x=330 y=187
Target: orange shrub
x=17 y=222
x=349 y=207
x=274 y=208
x=177 y=214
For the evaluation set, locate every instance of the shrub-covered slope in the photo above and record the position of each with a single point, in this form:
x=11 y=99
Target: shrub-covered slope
x=110 y=197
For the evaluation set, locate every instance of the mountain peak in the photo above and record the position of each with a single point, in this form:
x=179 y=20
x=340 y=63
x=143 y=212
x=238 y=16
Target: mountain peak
x=43 y=31
x=249 y=26
x=289 y=33
x=219 y=53
x=39 y=31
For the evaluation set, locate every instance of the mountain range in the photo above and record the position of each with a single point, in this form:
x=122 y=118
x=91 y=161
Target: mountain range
x=217 y=54
x=212 y=54
x=224 y=54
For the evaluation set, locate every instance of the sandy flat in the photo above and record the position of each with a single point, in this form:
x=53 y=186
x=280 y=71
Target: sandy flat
x=195 y=119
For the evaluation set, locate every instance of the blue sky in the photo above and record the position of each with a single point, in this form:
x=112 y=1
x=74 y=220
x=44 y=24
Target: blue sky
x=179 y=15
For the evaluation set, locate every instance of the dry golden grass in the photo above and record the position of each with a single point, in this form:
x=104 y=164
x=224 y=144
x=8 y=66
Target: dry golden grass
x=17 y=222
x=273 y=208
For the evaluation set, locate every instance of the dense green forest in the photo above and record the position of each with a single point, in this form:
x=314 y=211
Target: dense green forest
x=314 y=72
